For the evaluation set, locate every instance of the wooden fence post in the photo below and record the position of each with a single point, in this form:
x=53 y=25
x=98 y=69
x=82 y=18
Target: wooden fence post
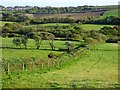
x=42 y=65
x=23 y=66
x=8 y=68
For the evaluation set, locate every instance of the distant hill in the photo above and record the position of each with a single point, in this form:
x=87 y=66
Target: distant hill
x=74 y=16
x=113 y=12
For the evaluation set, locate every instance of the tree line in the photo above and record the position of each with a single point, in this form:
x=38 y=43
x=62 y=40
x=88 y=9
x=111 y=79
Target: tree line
x=70 y=32
x=27 y=20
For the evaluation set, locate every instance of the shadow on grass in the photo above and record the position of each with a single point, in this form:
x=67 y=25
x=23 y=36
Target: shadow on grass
x=31 y=49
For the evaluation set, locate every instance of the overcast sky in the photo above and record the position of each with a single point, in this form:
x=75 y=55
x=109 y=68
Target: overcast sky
x=57 y=2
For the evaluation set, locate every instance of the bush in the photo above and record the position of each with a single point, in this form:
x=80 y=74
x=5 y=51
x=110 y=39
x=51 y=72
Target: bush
x=112 y=40
x=90 y=40
x=76 y=37
x=52 y=55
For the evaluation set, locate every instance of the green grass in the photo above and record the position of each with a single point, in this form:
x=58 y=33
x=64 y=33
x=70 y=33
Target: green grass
x=96 y=68
x=2 y=23
x=45 y=49
x=86 y=27
x=113 y=12
x=93 y=26
x=49 y=24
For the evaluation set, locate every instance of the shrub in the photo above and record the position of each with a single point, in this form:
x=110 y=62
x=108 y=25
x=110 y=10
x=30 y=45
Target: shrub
x=90 y=40
x=52 y=55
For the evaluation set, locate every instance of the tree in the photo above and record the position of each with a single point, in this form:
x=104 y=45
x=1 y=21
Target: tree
x=70 y=46
x=20 y=40
x=24 y=40
x=17 y=41
x=76 y=37
x=51 y=38
x=38 y=41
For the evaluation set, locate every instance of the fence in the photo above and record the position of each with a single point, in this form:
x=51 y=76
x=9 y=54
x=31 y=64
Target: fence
x=29 y=64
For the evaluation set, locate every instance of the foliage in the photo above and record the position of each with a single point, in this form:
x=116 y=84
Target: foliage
x=70 y=47
x=20 y=40
x=38 y=40
x=16 y=18
x=52 y=55
x=112 y=20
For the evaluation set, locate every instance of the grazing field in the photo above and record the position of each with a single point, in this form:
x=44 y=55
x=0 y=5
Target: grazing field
x=95 y=68
x=69 y=15
x=113 y=12
x=84 y=26
x=93 y=26
x=13 y=52
x=2 y=23
x=49 y=25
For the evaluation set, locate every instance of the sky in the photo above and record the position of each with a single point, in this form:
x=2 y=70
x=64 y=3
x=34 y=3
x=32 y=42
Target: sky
x=57 y=3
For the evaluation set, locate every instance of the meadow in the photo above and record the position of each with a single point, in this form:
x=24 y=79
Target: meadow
x=88 y=27
x=94 y=68
x=12 y=52
x=113 y=12
x=85 y=27
x=81 y=59
x=2 y=23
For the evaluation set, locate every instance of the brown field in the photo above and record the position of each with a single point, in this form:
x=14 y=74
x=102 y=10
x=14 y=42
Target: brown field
x=70 y=15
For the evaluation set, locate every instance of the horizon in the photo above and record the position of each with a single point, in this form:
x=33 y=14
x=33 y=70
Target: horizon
x=57 y=3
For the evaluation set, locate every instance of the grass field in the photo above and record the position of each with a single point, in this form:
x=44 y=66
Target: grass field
x=31 y=51
x=95 y=68
x=113 y=12
x=84 y=26
x=2 y=23
x=93 y=26
x=49 y=24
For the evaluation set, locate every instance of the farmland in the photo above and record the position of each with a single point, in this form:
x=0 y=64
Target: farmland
x=15 y=52
x=60 y=47
x=68 y=15
x=97 y=71
x=113 y=12
x=3 y=23
x=86 y=27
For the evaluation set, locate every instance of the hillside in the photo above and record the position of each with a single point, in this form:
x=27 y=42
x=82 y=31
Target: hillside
x=97 y=68
x=69 y=15
x=113 y=12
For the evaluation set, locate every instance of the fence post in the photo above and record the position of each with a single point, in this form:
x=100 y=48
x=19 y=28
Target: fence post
x=8 y=68
x=23 y=66
x=42 y=65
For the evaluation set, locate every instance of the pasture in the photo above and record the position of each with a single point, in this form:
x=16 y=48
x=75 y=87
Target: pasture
x=74 y=16
x=93 y=26
x=13 y=52
x=95 y=68
x=2 y=23
x=85 y=27
x=81 y=59
x=113 y=12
